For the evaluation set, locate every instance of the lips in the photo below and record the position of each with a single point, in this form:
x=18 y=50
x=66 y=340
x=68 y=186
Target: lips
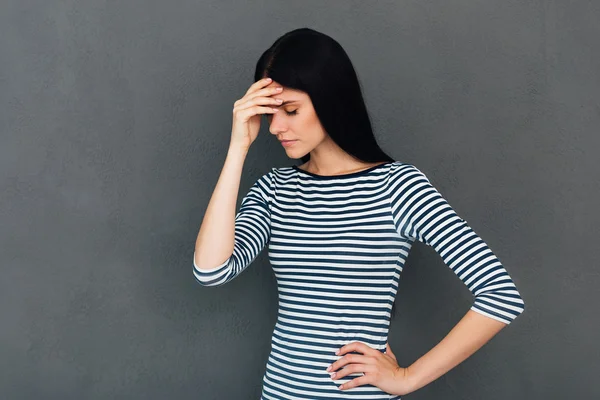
x=287 y=142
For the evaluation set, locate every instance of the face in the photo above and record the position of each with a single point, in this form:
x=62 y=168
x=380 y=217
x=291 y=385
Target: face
x=296 y=120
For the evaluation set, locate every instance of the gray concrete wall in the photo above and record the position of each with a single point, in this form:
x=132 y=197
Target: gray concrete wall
x=115 y=119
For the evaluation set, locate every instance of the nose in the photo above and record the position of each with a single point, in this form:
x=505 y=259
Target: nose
x=276 y=123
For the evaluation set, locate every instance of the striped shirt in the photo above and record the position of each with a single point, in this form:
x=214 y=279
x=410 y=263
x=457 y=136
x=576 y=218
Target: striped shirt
x=337 y=246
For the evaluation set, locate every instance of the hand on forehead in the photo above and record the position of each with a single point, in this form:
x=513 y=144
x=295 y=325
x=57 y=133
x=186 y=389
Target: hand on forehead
x=274 y=84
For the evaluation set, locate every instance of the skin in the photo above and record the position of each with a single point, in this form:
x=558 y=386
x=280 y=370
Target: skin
x=298 y=120
x=383 y=371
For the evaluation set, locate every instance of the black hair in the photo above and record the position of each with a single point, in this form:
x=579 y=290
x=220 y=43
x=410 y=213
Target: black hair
x=312 y=62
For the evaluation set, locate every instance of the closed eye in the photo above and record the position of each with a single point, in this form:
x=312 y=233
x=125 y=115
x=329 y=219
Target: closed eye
x=290 y=113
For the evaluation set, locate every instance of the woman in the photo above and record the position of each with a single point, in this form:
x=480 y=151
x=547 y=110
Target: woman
x=339 y=228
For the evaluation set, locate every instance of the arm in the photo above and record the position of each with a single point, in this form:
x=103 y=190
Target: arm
x=228 y=242
x=421 y=213
x=469 y=335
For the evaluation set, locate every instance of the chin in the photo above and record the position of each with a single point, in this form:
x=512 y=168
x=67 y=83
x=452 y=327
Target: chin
x=290 y=151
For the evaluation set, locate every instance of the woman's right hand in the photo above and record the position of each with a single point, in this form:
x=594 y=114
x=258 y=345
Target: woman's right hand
x=247 y=112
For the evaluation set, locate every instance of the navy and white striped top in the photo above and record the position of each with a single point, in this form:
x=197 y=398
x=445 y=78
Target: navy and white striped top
x=337 y=245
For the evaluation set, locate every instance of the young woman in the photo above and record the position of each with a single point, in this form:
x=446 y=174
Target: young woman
x=339 y=228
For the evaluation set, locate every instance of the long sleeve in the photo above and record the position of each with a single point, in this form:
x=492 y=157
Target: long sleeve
x=421 y=213
x=252 y=233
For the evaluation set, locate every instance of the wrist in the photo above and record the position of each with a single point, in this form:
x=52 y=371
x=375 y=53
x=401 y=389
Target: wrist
x=411 y=378
x=237 y=151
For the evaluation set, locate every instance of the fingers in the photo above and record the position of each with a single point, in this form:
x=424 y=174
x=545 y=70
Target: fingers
x=258 y=100
x=260 y=88
x=261 y=97
x=357 y=346
x=368 y=356
x=352 y=369
x=246 y=113
x=361 y=380
x=258 y=84
x=348 y=360
x=264 y=93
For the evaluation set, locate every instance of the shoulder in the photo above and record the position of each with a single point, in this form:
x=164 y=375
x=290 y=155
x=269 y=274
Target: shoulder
x=281 y=174
x=263 y=185
x=275 y=176
x=406 y=178
x=281 y=170
x=402 y=170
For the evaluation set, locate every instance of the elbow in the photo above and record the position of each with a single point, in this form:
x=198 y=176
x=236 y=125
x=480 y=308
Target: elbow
x=517 y=308
x=522 y=306
x=518 y=304
x=502 y=306
x=215 y=276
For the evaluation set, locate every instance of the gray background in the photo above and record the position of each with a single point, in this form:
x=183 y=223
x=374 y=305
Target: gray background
x=115 y=121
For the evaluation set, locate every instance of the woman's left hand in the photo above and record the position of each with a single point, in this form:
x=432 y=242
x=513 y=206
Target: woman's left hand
x=379 y=369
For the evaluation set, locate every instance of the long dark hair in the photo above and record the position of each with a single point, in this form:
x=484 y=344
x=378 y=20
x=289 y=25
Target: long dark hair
x=312 y=62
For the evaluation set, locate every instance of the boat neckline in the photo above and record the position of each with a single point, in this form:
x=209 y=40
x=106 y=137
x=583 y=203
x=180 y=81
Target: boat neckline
x=350 y=174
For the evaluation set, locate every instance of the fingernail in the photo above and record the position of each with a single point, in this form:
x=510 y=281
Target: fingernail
x=332 y=375
x=337 y=351
x=328 y=368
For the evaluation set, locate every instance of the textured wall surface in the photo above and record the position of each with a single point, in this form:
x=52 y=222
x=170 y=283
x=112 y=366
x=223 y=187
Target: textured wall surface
x=115 y=120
